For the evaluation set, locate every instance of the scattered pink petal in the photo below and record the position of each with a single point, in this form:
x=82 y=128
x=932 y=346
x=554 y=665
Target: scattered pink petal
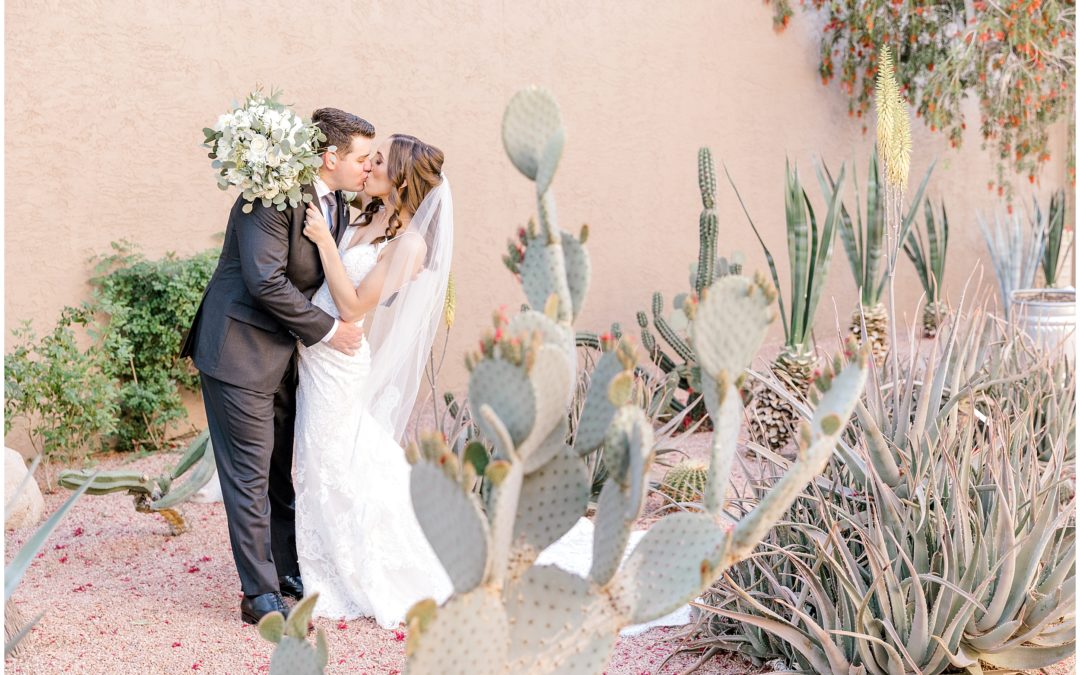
x=176 y=644
x=78 y=532
x=192 y=569
x=342 y=625
x=63 y=559
x=399 y=636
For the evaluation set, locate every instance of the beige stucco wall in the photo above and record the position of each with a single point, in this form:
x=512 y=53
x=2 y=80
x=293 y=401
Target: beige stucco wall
x=105 y=102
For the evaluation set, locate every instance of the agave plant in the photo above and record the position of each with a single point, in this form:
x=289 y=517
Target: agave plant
x=864 y=244
x=14 y=629
x=1015 y=255
x=809 y=253
x=1058 y=240
x=927 y=253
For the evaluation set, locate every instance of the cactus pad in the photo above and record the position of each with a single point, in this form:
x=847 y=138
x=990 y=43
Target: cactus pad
x=544 y=608
x=453 y=523
x=552 y=500
x=671 y=565
x=550 y=380
x=469 y=635
x=597 y=412
x=531 y=120
x=730 y=324
x=611 y=531
x=507 y=390
x=577 y=271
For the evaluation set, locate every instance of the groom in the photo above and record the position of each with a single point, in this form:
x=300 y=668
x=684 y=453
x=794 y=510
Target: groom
x=243 y=341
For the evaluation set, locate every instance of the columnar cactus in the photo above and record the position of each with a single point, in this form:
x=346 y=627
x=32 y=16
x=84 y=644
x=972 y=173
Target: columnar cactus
x=671 y=327
x=541 y=619
x=153 y=495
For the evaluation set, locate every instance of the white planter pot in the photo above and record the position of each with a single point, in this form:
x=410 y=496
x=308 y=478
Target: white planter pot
x=1048 y=316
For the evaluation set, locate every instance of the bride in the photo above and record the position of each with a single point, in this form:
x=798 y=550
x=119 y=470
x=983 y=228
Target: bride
x=359 y=543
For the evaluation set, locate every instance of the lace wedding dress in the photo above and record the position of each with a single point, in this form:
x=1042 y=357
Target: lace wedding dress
x=357 y=537
x=358 y=541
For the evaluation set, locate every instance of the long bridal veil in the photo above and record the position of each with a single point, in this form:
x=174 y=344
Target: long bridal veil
x=403 y=326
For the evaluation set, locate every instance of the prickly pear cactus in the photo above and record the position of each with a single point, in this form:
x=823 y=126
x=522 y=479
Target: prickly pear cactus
x=294 y=655
x=509 y=615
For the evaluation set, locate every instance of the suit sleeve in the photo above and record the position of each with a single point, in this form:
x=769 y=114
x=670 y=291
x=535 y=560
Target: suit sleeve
x=263 y=241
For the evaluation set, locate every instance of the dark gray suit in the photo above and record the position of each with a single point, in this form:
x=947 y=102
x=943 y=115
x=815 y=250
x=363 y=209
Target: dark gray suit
x=243 y=341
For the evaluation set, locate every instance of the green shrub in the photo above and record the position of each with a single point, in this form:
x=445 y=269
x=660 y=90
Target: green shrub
x=62 y=391
x=123 y=389
x=146 y=305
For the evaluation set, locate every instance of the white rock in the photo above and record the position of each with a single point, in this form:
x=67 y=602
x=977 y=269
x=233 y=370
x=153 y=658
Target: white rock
x=26 y=510
x=211 y=492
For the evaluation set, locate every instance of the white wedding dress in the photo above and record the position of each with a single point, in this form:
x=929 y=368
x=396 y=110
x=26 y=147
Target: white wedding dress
x=357 y=538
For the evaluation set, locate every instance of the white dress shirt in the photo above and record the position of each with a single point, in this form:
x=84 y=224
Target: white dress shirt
x=321 y=191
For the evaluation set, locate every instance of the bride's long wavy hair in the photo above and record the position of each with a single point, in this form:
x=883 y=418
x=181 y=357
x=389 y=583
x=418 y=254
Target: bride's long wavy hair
x=413 y=168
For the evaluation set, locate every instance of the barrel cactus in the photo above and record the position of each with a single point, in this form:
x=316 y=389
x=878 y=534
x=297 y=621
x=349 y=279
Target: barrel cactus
x=685 y=482
x=541 y=619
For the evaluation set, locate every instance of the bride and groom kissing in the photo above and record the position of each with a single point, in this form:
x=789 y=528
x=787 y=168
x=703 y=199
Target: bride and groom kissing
x=311 y=340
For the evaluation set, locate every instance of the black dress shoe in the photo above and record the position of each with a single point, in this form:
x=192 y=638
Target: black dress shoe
x=292 y=587
x=255 y=607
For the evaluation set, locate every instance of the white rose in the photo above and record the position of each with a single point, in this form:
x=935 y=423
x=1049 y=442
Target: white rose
x=257 y=148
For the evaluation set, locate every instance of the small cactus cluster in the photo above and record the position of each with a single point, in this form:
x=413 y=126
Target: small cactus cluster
x=685 y=482
x=541 y=619
x=671 y=328
x=153 y=494
x=294 y=655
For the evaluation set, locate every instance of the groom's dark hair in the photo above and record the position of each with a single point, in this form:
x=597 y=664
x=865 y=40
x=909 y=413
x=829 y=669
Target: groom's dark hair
x=340 y=127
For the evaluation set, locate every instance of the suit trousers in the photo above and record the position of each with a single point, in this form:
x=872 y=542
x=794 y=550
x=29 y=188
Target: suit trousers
x=252 y=433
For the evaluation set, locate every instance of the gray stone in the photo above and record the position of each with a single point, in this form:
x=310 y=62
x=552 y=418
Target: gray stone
x=26 y=509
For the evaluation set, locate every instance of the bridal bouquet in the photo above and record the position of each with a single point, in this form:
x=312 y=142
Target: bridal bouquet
x=266 y=150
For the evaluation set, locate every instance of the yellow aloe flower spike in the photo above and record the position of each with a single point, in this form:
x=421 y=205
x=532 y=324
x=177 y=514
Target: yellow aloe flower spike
x=893 y=125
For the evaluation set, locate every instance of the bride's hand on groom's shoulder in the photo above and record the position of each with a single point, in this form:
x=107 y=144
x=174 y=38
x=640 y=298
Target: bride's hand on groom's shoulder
x=315 y=227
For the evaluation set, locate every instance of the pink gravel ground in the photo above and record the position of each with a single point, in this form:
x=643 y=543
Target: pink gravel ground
x=122 y=596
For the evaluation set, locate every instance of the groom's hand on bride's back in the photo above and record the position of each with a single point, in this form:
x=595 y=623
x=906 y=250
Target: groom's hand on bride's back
x=347 y=338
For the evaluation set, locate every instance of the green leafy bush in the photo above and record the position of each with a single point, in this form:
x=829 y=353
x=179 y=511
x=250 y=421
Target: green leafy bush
x=146 y=305
x=123 y=387
x=61 y=390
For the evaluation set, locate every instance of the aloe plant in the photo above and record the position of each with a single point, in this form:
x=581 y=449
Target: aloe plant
x=1058 y=241
x=927 y=253
x=940 y=537
x=540 y=619
x=809 y=255
x=153 y=494
x=864 y=244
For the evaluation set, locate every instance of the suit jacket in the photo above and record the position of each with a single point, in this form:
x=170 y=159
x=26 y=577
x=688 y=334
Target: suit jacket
x=258 y=301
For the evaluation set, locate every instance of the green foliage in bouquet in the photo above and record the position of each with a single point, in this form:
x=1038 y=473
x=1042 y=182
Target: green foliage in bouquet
x=265 y=150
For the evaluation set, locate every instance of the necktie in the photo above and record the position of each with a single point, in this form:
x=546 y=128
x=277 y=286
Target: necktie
x=329 y=205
